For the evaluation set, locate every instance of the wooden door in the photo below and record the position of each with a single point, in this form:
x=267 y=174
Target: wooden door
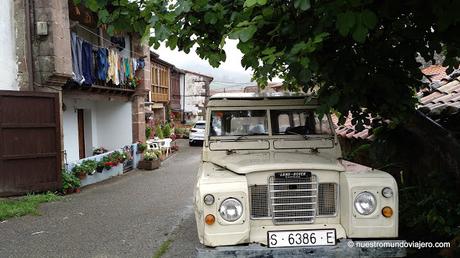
x=81 y=133
x=30 y=142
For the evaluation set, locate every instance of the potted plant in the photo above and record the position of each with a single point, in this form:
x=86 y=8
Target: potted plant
x=151 y=161
x=89 y=166
x=79 y=170
x=70 y=183
x=141 y=147
x=107 y=162
x=99 y=150
x=100 y=166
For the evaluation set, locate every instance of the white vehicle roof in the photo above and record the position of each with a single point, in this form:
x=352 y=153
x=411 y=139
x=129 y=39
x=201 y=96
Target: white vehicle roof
x=200 y=122
x=262 y=99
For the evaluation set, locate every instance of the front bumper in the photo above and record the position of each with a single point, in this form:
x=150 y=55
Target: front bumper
x=343 y=248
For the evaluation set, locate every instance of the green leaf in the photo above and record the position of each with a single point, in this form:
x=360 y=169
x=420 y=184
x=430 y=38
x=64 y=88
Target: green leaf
x=298 y=47
x=110 y=30
x=369 y=19
x=267 y=12
x=345 y=21
x=92 y=5
x=302 y=4
x=103 y=15
x=247 y=33
x=262 y=2
x=360 y=34
x=161 y=32
x=172 y=42
x=153 y=20
x=250 y=3
x=210 y=18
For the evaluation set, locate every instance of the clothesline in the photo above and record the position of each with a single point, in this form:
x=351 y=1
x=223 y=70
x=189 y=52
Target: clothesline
x=110 y=42
x=104 y=64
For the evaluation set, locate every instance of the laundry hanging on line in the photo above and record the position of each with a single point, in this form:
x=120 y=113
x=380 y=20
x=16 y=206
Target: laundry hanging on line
x=92 y=63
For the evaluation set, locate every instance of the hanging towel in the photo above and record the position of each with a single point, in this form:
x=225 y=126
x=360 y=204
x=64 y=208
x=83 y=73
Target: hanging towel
x=87 y=63
x=113 y=67
x=121 y=70
x=127 y=70
x=76 y=58
x=134 y=61
x=102 y=63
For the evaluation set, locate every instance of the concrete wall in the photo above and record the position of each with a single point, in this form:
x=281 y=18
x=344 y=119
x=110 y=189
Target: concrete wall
x=8 y=66
x=107 y=124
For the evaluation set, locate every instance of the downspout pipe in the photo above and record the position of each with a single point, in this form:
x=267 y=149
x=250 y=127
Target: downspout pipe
x=29 y=32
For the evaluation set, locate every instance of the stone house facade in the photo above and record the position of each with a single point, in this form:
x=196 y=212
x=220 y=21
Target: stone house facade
x=38 y=57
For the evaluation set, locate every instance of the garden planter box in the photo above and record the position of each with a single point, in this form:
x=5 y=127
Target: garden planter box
x=149 y=164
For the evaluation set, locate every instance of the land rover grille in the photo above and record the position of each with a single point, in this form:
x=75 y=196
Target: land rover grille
x=293 y=200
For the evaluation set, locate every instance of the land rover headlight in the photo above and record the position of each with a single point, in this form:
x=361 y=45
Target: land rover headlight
x=231 y=209
x=365 y=203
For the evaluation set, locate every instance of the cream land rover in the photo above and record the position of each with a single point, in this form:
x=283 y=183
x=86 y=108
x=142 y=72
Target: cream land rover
x=272 y=182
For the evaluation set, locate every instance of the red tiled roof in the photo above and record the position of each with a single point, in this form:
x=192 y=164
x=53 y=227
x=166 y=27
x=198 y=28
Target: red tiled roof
x=435 y=72
x=435 y=102
x=443 y=100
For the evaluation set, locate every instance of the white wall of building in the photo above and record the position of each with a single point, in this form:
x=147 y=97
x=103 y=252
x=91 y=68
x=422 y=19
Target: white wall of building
x=194 y=95
x=8 y=66
x=107 y=124
x=114 y=124
x=70 y=132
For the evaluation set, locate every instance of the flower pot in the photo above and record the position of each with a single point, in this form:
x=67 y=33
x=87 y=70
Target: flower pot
x=149 y=164
x=99 y=169
x=81 y=176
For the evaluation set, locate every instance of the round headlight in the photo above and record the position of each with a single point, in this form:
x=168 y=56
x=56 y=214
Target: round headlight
x=208 y=199
x=365 y=203
x=387 y=192
x=231 y=209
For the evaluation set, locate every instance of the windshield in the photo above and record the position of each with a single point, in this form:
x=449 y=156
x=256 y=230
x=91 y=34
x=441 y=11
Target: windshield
x=200 y=126
x=298 y=121
x=255 y=122
x=239 y=123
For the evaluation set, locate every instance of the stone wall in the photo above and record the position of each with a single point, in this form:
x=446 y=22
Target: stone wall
x=52 y=52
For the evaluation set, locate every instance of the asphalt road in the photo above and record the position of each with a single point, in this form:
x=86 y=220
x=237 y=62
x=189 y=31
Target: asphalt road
x=127 y=216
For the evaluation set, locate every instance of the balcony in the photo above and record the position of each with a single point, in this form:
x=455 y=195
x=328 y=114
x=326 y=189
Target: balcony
x=159 y=97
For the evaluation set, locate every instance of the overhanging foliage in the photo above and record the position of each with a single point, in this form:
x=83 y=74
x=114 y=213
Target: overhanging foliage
x=358 y=54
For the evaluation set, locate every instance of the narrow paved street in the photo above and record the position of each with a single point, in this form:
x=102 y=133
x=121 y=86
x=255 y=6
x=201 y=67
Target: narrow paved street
x=128 y=216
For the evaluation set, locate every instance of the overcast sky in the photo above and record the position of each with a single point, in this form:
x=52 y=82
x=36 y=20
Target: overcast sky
x=229 y=74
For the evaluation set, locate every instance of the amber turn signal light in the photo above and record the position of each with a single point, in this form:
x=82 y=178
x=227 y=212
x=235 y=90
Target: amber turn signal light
x=387 y=212
x=210 y=219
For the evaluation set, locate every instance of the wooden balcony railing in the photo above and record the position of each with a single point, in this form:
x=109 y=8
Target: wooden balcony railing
x=159 y=97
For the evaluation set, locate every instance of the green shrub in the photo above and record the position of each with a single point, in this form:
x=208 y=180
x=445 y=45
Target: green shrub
x=89 y=165
x=141 y=147
x=150 y=155
x=159 y=132
x=148 y=132
x=166 y=131
x=69 y=181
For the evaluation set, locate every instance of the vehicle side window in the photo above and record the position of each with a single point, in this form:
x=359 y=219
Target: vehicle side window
x=283 y=123
x=296 y=119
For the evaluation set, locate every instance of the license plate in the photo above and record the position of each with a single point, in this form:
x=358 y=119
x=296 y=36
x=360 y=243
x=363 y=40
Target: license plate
x=301 y=238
